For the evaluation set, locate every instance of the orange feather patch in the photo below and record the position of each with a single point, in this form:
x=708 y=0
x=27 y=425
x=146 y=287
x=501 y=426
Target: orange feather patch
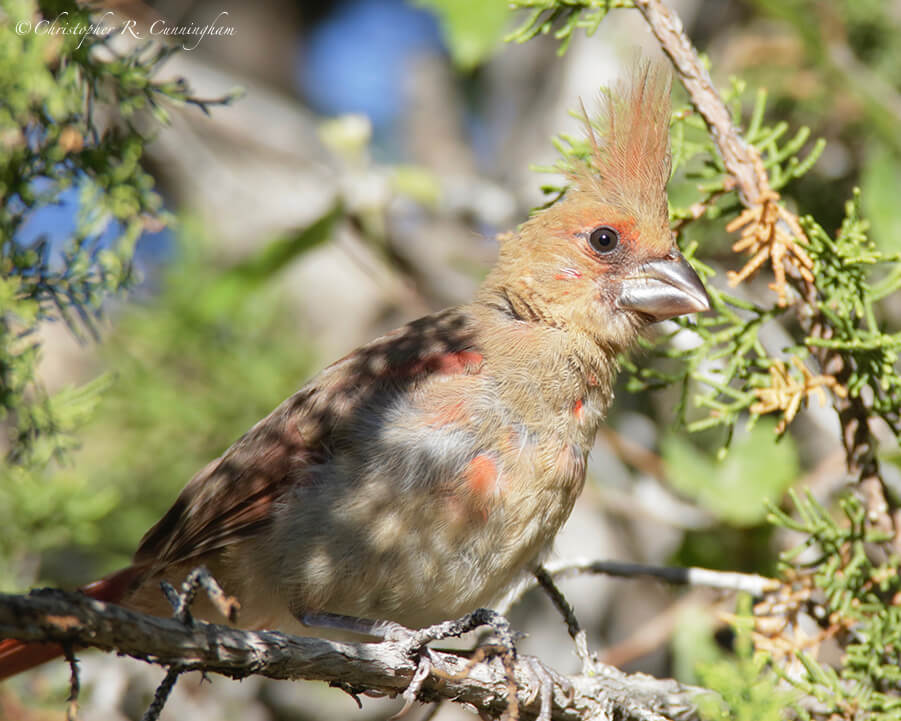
x=446 y=415
x=481 y=475
x=465 y=361
x=579 y=410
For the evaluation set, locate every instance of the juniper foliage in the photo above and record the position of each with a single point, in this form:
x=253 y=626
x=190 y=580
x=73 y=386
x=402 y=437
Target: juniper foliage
x=75 y=115
x=731 y=370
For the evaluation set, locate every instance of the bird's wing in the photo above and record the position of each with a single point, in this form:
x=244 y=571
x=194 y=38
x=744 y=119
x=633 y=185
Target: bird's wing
x=232 y=496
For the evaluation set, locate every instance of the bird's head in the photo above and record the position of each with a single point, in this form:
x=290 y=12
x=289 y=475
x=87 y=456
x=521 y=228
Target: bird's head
x=603 y=261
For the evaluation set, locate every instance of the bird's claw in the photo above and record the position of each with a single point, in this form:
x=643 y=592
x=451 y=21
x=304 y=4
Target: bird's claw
x=414 y=644
x=547 y=678
x=423 y=669
x=412 y=640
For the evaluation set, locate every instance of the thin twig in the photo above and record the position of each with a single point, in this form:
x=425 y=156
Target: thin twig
x=736 y=153
x=162 y=694
x=576 y=632
x=689 y=576
x=181 y=602
x=199 y=578
x=681 y=576
x=74 y=683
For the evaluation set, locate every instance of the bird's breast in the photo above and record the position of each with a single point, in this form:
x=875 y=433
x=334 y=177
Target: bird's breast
x=449 y=492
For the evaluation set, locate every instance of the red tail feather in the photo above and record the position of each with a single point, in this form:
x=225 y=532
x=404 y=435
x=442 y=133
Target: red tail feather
x=18 y=656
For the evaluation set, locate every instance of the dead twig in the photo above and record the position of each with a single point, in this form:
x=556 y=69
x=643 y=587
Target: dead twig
x=199 y=578
x=181 y=602
x=680 y=576
x=74 y=683
x=162 y=694
x=576 y=632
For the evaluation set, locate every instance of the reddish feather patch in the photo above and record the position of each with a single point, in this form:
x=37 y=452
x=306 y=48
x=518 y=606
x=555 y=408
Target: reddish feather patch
x=481 y=475
x=446 y=415
x=116 y=586
x=579 y=410
x=17 y=656
x=465 y=361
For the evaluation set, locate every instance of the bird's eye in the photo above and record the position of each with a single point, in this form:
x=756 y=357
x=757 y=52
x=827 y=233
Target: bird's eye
x=603 y=239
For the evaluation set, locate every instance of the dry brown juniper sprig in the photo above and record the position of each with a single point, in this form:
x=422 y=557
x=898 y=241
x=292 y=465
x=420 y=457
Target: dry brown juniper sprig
x=770 y=231
x=786 y=393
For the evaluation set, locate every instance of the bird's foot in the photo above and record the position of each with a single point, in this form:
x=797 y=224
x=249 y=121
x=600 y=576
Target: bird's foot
x=414 y=643
x=414 y=640
x=503 y=646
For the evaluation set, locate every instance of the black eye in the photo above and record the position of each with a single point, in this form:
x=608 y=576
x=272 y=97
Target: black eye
x=603 y=239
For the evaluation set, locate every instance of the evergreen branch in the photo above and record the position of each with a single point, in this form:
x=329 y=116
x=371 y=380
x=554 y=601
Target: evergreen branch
x=779 y=233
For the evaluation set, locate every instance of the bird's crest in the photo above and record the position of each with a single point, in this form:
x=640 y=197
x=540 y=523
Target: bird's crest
x=630 y=157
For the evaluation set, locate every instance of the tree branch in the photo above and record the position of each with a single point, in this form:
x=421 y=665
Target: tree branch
x=51 y=615
x=770 y=222
x=740 y=159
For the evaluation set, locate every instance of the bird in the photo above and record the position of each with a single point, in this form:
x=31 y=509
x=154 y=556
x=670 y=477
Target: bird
x=419 y=477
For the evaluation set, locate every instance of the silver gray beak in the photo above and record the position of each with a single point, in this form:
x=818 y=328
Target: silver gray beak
x=663 y=289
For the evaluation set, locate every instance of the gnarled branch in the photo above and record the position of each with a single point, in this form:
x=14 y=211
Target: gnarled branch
x=52 y=615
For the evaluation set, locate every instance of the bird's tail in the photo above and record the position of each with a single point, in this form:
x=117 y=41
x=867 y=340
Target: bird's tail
x=18 y=656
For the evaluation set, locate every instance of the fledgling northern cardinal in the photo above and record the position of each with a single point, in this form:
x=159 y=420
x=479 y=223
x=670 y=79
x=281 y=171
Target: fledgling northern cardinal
x=415 y=479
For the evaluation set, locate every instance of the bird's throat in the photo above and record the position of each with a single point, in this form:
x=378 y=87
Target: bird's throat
x=547 y=372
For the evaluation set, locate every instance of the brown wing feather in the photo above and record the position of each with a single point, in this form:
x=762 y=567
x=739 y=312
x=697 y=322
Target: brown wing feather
x=231 y=497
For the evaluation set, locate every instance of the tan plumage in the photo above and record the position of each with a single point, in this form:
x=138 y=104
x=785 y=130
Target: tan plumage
x=631 y=165
x=419 y=476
